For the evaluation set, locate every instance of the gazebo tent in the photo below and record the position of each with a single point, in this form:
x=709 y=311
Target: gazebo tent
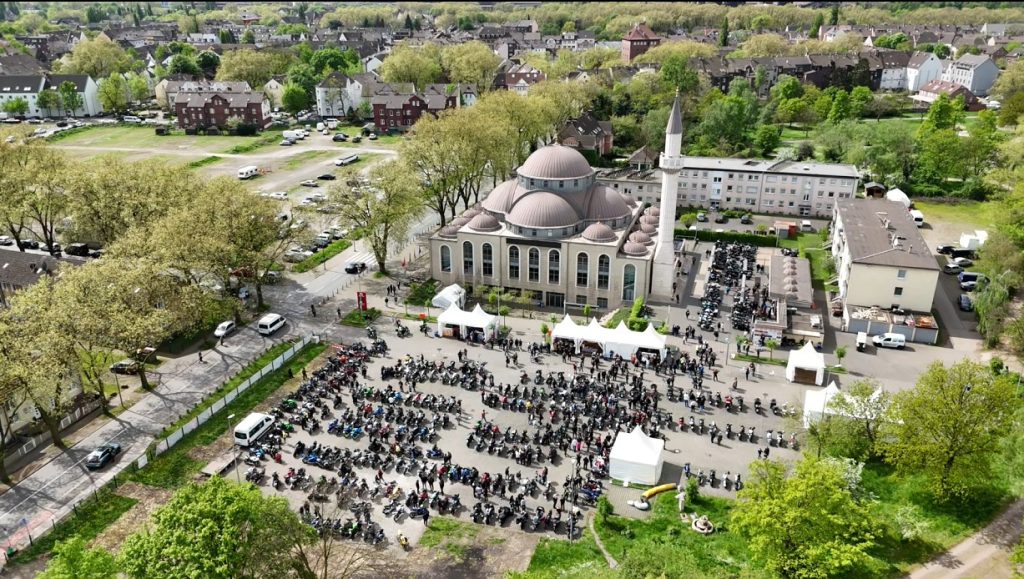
x=636 y=457
x=619 y=341
x=816 y=403
x=899 y=196
x=464 y=322
x=806 y=365
x=453 y=294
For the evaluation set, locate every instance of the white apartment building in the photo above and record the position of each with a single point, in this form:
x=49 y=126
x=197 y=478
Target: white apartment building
x=976 y=72
x=881 y=258
x=922 y=68
x=798 y=188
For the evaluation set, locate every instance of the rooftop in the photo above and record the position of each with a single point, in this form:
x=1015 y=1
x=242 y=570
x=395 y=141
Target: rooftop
x=881 y=232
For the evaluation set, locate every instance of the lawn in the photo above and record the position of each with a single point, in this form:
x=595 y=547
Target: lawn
x=810 y=246
x=321 y=256
x=968 y=214
x=176 y=468
x=442 y=529
x=90 y=518
x=556 y=557
x=145 y=137
x=360 y=319
x=204 y=161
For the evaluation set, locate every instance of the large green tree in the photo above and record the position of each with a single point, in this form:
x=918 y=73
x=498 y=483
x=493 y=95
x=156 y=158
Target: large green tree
x=419 y=65
x=807 y=524
x=949 y=425
x=253 y=66
x=294 y=98
x=70 y=97
x=98 y=58
x=114 y=93
x=72 y=559
x=16 y=107
x=470 y=62
x=218 y=530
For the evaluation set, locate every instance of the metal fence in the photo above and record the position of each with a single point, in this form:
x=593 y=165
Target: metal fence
x=44 y=438
x=165 y=444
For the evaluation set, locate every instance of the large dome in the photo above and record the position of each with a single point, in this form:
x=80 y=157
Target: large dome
x=542 y=209
x=555 y=162
x=598 y=232
x=606 y=204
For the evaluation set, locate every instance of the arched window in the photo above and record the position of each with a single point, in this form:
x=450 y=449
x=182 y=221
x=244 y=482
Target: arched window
x=467 y=258
x=554 y=267
x=446 y=259
x=534 y=265
x=513 y=262
x=487 y=257
x=603 y=269
x=629 y=283
x=582 y=269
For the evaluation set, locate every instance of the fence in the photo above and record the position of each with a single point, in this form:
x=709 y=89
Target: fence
x=165 y=444
x=40 y=439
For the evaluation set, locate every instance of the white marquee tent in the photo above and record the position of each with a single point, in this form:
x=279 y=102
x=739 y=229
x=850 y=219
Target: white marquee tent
x=477 y=319
x=806 y=365
x=816 y=403
x=619 y=341
x=899 y=196
x=636 y=458
x=453 y=294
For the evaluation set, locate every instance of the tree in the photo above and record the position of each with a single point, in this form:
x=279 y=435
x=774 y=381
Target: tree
x=113 y=93
x=218 y=529
x=419 y=65
x=17 y=107
x=227 y=36
x=183 y=64
x=676 y=73
x=841 y=107
x=723 y=33
x=49 y=100
x=384 y=213
x=766 y=140
x=858 y=413
x=72 y=559
x=786 y=87
x=253 y=66
x=763 y=45
x=840 y=354
x=208 y=61
x=771 y=345
x=334 y=59
x=1011 y=111
x=861 y=98
x=97 y=58
x=138 y=87
x=819 y=19
x=942 y=114
x=807 y=524
x=294 y=98
x=948 y=427
x=248 y=37
x=833 y=18
x=70 y=97
x=470 y=62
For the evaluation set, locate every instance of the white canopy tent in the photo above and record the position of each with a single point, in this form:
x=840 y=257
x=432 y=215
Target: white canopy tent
x=806 y=365
x=466 y=322
x=636 y=458
x=816 y=403
x=618 y=341
x=899 y=196
x=453 y=294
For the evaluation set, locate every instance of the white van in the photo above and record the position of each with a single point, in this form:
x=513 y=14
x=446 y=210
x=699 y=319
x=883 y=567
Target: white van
x=918 y=217
x=294 y=135
x=131 y=119
x=805 y=225
x=890 y=340
x=332 y=124
x=252 y=428
x=346 y=159
x=269 y=324
x=248 y=172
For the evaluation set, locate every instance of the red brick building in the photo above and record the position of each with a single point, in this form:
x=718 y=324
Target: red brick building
x=639 y=40
x=199 y=110
x=401 y=111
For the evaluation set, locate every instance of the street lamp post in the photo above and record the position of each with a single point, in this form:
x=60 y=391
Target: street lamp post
x=234 y=451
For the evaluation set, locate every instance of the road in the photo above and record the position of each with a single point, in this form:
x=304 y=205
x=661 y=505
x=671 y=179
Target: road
x=984 y=554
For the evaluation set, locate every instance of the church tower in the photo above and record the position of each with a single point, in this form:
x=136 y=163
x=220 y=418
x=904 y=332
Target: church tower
x=671 y=162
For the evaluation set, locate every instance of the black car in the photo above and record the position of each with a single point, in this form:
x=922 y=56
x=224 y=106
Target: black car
x=965 y=303
x=357 y=267
x=945 y=249
x=99 y=458
x=126 y=366
x=327 y=177
x=746 y=219
x=339 y=138
x=77 y=249
x=30 y=244
x=721 y=218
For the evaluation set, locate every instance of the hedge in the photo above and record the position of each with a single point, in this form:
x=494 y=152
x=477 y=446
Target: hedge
x=709 y=235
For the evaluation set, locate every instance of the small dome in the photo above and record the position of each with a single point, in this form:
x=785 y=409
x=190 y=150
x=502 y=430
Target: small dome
x=792 y=296
x=653 y=211
x=648 y=228
x=792 y=287
x=555 y=162
x=449 y=231
x=790 y=269
x=634 y=248
x=542 y=209
x=789 y=260
x=484 y=222
x=459 y=221
x=606 y=204
x=789 y=279
x=471 y=212
x=650 y=220
x=501 y=198
x=598 y=232
x=629 y=199
x=640 y=237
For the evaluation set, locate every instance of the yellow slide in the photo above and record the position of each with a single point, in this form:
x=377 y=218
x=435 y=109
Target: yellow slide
x=658 y=490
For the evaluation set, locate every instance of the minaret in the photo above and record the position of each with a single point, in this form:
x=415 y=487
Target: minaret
x=671 y=162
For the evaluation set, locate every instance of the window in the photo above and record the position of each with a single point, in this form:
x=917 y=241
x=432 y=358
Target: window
x=467 y=258
x=898 y=292
x=513 y=262
x=554 y=267
x=581 y=299
x=582 y=267
x=628 y=283
x=602 y=303
x=603 y=269
x=488 y=259
x=534 y=265
x=901 y=274
x=446 y=259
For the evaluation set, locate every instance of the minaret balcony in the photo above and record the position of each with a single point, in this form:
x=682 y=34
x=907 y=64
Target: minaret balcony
x=671 y=163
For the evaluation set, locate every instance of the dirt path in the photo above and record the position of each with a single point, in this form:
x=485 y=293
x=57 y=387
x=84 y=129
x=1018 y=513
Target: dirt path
x=612 y=563
x=150 y=498
x=984 y=554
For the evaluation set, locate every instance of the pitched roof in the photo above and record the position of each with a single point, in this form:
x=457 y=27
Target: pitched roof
x=918 y=59
x=643 y=156
x=234 y=99
x=641 y=32
x=79 y=80
x=21 y=84
x=19 y=64
x=22 y=269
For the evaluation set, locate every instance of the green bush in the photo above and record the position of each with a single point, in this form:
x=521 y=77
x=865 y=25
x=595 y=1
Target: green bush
x=360 y=319
x=204 y=161
x=322 y=256
x=421 y=293
x=709 y=235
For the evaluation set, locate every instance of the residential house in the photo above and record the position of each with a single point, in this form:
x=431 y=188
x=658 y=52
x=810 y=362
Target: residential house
x=643 y=159
x=16 y=87
x=892 y=68
x=398 y=111
x=19 y=270
x=18 y=64
x=167 y=90
x=638 y=41
x=931 y=91
x=339 y=94
x=520 y=77
x=202 y=110
x=88 y=93
x=249 y=18
x=976 y=72
x=373 y=62
x=922 y=68
x=274 y=89
x=586 y=133
x=202 y=38
x=881 y=258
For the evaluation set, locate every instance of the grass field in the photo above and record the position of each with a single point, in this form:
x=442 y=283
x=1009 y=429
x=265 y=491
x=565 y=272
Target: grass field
x=145 y=137
x=810 y=245
x=968 y=214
